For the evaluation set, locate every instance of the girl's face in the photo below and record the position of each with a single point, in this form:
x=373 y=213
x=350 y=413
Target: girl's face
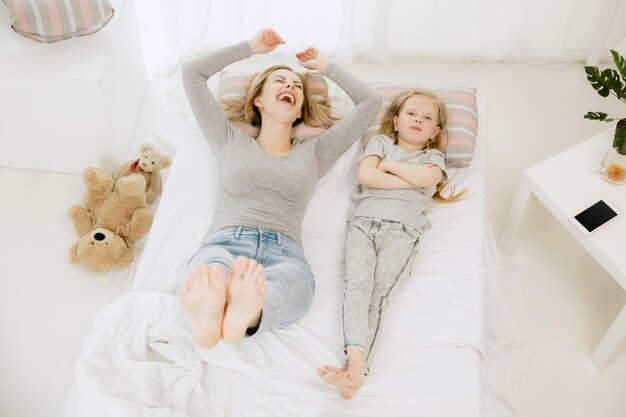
x=416 y=122
x=282 y=96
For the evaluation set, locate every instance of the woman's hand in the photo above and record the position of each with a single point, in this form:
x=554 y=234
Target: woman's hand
x=313 y=59
x=265 y=41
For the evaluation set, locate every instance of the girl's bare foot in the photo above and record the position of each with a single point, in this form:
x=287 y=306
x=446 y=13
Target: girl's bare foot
x=245 y=297
x=347 y=380
x=203 y=299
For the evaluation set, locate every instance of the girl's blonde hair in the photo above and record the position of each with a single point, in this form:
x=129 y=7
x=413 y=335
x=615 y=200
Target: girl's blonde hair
x=387 y=129
x=316 y=112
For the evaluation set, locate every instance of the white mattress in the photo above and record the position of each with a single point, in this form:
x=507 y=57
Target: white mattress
x=427 y=361
x=445 y=349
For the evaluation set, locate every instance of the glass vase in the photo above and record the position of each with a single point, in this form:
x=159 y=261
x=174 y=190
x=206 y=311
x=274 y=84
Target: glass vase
x=613 y=167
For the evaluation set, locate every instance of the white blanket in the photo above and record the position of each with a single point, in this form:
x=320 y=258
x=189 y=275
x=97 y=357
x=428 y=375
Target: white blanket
x=139 y=360
x=147 y=366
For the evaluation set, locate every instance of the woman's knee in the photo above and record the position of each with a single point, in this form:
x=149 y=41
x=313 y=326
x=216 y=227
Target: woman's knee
x=211 y=256
x=293 y=274
x=292 y=282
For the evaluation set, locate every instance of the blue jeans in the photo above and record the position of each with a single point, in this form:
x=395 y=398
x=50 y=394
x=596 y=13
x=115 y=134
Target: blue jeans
x=289 y=280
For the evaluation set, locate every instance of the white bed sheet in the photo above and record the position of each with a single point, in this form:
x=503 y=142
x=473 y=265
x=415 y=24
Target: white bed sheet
x=428 y=360
x=444 y=349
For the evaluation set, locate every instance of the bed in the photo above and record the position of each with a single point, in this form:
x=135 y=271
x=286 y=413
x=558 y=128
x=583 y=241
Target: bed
x=451 y=343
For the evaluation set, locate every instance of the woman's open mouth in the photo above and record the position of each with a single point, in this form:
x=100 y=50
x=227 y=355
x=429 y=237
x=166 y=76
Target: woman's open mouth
x=287 y=98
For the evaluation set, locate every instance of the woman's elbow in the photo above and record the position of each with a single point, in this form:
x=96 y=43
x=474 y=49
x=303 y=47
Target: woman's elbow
x=377 y=99
x=370 y=104
x=186 y=70
x=189 y=69
x=376 y=102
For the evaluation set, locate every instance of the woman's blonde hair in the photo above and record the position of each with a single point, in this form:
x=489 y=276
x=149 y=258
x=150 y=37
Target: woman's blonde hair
x=438 y=142
x=316 y=112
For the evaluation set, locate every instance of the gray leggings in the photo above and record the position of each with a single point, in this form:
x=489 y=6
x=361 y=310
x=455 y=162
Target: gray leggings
x=379 y=255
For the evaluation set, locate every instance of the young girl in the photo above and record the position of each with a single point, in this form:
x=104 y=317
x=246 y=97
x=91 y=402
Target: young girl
x=400 y=172
x=251 y=276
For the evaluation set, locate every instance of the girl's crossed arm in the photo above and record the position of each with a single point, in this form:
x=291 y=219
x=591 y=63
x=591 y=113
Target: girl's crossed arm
x=370 y=175
x=418 y=176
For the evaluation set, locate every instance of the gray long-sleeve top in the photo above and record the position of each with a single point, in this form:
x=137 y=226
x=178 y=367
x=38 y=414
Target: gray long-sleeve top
x=256 y=189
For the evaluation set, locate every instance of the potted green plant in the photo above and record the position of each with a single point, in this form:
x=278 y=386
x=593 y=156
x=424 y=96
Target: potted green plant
x=605 y=82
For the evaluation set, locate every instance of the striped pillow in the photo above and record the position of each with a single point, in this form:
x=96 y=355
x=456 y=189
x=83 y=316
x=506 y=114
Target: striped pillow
x=462 y=118
x=234 y=85
x=56 y=20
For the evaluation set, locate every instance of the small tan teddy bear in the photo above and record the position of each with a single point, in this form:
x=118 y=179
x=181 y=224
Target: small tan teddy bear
x=148 y=165
x=112 y=219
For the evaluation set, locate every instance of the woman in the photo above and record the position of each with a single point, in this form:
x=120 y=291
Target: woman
x=251 y=275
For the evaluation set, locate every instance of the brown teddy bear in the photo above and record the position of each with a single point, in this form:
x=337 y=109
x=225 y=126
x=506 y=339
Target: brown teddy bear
x=112 y=219
x=148 y=165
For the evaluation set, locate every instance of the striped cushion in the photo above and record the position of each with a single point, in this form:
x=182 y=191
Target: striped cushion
x=56 y=20
x=233 y=86
x=462 y=118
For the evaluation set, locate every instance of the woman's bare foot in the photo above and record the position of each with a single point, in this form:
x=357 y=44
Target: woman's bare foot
x=344 y=379
x=203 y=299
x=245 y=297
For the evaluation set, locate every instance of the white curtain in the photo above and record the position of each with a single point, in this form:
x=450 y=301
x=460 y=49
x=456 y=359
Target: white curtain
x=544 y=32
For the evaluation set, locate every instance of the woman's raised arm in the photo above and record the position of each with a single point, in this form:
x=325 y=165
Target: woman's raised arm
x=335 y=141
x=205 y=106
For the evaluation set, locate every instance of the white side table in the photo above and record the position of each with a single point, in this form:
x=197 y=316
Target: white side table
x=566 y=184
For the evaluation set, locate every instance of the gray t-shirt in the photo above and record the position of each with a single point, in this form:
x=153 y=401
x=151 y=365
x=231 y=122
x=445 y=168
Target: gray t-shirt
x=401 y=205
x=256 y=189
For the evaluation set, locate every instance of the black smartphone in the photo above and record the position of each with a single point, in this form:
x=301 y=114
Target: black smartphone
x=595 y=216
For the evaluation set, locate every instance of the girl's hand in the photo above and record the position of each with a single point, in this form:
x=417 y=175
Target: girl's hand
x=265 y=41
x=313 y=59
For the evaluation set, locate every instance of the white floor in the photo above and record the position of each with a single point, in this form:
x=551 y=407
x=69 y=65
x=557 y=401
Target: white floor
x=46 y=302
